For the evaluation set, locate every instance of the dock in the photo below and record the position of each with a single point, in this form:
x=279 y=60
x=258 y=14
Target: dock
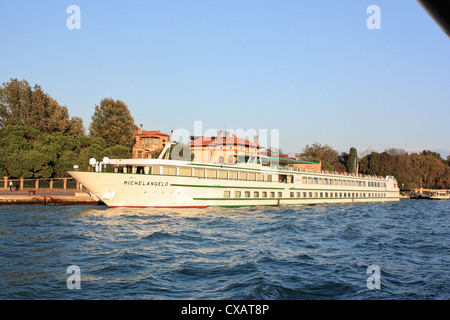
x=47 y=198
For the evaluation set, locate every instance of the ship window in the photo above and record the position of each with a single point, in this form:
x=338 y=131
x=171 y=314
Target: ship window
x=336 y=195
x=242 y=175
x=226 y=194
x=140 y=170
x=256 y=194
x=247 y=194
x=326 y=194
x=353 y=195
x=280 y=194
x=292 y=194
x=264 y=194
x=223 y=174
x=233 y=175
x=304 y=194
x=154 y=170
x=211 y=174
x=304 y=180
x=259 y=177
x=237 y=194
x=185 y=172
x=298 y=194
x=252 y=176
x=272 y=194
x=199 y=173
x=316 y=180
x=310 y=180
x=321 y=194
x=326 y=181
x=171 y=171
x=320 y=181
x=316 y=194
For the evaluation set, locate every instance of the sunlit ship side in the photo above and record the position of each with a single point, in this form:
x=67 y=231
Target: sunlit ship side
x=257 y=181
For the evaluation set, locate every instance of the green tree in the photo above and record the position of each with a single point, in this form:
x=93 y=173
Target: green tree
x=113 y=122
x=22 y=105
x=326 y=154
x=29 y=153
x=351 y=160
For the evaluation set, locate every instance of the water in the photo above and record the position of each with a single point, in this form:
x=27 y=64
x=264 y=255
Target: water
x=280 y=253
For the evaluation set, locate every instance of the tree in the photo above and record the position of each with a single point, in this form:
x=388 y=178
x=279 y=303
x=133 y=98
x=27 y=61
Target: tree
x=22 y=105
x=29 y=153
x=113 y=122
x=351 y=160
x=326 y=154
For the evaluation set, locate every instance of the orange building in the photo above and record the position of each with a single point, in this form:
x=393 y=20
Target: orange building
x=222 y=149
x=148 y=142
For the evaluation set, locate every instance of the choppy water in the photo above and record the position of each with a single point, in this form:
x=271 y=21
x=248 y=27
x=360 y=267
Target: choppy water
x=301 y=252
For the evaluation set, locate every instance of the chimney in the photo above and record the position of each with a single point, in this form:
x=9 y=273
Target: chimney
x=255 y=139
x=140 y=130
x=227 y=133
x=219 y=134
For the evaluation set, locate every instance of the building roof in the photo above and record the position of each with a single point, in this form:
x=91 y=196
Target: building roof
x=230 y=141
x=150 y=134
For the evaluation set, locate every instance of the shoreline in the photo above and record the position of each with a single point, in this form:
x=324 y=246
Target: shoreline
x=47 y=198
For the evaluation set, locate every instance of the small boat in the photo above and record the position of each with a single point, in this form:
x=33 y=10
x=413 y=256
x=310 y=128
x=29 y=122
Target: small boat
x=440 y=195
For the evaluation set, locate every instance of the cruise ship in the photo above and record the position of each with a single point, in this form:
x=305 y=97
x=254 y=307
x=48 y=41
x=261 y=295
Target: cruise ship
x=250 y=181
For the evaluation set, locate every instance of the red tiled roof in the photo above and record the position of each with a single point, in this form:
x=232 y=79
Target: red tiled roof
x=213 y=141
x=149 y=134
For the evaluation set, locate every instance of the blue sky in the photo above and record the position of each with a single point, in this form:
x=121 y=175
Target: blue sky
x=311 y=69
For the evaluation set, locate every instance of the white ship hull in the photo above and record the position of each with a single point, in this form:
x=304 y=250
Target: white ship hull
x=166 y=183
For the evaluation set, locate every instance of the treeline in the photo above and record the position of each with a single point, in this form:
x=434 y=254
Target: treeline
x=28 y=153
x=426 y=169
x=38 y=138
